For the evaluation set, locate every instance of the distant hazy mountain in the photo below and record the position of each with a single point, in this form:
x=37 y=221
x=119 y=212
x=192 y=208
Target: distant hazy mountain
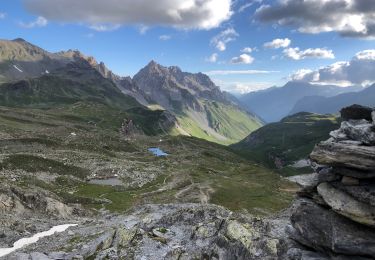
x=34 y=77
x=316 y=104
x=202 y=109
x=275 y=103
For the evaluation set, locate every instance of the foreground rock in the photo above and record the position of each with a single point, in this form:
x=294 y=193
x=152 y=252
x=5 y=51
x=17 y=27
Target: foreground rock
x=335 y=217
x=186 y=231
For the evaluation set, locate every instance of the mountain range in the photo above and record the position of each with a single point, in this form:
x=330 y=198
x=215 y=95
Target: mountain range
x=32 y=76
x=324 y=105
x=275 y=103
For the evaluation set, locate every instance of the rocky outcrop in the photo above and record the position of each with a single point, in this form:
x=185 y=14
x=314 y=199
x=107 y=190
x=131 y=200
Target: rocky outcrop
x=153 y=232
x=335 y=216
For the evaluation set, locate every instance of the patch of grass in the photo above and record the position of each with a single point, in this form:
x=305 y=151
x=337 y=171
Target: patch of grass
x=289 y=140
x=226 y=120
x=31 y=163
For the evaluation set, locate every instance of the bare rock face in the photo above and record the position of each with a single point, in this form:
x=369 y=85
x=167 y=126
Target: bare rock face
x=338 y=219
x=153 y=232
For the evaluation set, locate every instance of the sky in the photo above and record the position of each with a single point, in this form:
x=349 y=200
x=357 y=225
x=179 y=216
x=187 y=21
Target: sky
x=243 y=45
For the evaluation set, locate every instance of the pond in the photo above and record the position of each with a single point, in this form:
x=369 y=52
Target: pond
x=31 y=240
x=157 y=151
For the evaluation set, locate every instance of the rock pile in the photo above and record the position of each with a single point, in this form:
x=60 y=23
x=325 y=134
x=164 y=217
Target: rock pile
x=334 y=217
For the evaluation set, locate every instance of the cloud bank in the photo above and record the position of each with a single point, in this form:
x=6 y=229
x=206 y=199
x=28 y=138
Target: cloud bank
x=183 y=14
x=360 y=70
x=353 y=18
x=238 y=72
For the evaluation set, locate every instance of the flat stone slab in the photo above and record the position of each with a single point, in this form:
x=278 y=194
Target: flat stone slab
x=345 y=154
x=346 y=205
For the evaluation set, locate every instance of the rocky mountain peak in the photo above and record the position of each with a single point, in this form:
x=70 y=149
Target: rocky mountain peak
x=19 y=40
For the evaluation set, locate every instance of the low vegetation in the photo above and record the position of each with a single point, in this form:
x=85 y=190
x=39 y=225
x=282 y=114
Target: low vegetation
x=62 y=157
x=278 y=145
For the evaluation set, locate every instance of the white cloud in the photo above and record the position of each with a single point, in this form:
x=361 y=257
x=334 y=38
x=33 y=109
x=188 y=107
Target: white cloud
x=278 y=43
x=221 y=40
x=360 y=70
x=354 y=18
x=247 y=50
x=213 y=58
x=39 y=22
x=248 y=5
x=238 y=72
x=242 y=87
x=165 y=37
x=2 y=15
x=318 y=53
x=242 y=59
x=143 y=29
x=183 y=14
x=305 y=75
x=104 y=27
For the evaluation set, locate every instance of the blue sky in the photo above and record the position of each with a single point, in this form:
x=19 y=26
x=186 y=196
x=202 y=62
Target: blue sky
x=126 y=45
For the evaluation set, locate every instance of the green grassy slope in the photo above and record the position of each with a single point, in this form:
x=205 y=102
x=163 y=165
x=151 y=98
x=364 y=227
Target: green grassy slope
x=289 y=140
x=35 y=143
x=228 y=124
x=64 y=87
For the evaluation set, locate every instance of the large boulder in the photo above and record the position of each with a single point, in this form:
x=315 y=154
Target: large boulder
x=358 y=130
x=327 y=232
x=356 y=112
x=364 y=192
x=346 y=205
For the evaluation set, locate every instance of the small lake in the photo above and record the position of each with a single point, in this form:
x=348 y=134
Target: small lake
x=157 y=151
x=31 y=240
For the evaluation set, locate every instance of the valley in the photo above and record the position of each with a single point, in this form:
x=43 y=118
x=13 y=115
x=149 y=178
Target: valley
x=166 y=165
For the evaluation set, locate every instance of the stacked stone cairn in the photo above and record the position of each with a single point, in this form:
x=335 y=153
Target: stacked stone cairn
x=334 y=215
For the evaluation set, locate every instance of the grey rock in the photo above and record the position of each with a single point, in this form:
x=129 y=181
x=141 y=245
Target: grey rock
x=356 y=112
x=361 y=130
x=328 y=176
x=347 y=155
x=306 y=181
x=57 y=255
x=349 y=181
x=354 y=173
x=365 y=192
x=373 y=117
x=338 y=135
x=300 y=254
x=346 y=205
x=19 y=256
x=39 y=256
x=326 y=231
